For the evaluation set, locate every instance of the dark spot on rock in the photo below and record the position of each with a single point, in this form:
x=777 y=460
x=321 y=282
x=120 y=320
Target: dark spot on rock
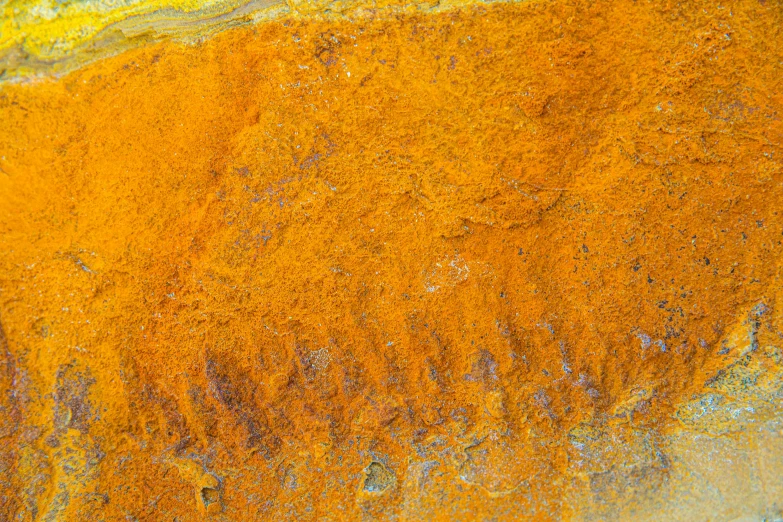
x=239 y=399
x=327 y=49
x=223 y=386
x=52 y=441
x=71 y=406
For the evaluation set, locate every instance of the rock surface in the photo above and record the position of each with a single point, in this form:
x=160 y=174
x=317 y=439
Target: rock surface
x=499 y=262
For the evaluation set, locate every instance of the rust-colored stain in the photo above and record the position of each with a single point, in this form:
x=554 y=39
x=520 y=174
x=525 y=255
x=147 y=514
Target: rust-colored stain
x=513 y=261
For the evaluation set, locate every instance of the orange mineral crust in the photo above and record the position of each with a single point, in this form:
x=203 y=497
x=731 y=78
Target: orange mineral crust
x=518 y=261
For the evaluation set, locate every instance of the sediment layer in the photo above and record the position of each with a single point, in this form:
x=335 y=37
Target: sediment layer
x=42 y=39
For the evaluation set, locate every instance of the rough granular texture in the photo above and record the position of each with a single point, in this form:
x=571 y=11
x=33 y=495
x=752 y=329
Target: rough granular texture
x=502 y=262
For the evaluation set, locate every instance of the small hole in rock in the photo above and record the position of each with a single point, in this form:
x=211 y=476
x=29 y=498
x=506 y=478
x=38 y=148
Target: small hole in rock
x=210 y=496
x=379 y=478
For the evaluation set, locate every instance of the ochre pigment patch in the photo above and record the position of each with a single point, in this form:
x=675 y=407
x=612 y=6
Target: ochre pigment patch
x=500 y=262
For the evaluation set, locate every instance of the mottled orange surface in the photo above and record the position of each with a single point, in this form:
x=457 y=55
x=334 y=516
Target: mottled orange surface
x=493 y=263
